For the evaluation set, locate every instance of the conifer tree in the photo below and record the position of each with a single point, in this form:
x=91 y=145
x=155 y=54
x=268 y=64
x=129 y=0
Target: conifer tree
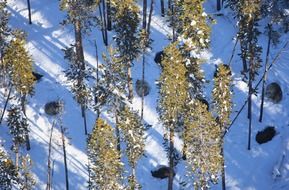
x=26 y=177
x=4 y=29
x=223 y=106
x=80 y=15
x=133 y=133
x=18 y=128
x=194 y=35
x=8 y=172
x=173 y=94
x=126 y=22
x=203 y=145
x=106 y=168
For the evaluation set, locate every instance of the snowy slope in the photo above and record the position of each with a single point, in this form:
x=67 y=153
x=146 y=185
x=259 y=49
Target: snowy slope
x=244 y=169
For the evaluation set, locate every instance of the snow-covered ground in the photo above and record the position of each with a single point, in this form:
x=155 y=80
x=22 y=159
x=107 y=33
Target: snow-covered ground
x=245 y=170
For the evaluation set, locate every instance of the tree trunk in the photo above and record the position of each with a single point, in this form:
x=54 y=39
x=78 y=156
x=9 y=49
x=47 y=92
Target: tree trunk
x=23 y=102
x=109 y=25
x=144 y=22
x=78 y=44
x=64 y=157
x=185 y=143
x=97 y=78
x=17 y=156
x=265 y=74
x=219 y=5
x=104 y=22
x=171 y=160
x=117 y=133
x=6 y=103
x=150 y=17
x=27 y=142
x=169 y=4
x=49 y=176
x=245 y=68
x=223 y=165
x=143 y=79
x=130 y=84
x=162 y=8
x=84 y=119
x=29 y=11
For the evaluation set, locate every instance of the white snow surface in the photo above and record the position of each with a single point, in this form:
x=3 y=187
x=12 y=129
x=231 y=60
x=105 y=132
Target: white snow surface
x=245 y=170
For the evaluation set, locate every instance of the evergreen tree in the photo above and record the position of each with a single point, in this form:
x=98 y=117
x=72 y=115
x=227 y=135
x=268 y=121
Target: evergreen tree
x=223 y=106
x=26 y=177
x=106 y=167
x=173 y=94
x=194 y=35
x=80 y=15
x=4 y=28
x=8 y=172
x=203 y=145
x=18 y=128
x=133 y=132
x=126 y=22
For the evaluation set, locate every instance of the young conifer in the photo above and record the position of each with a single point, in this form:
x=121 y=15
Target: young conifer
x=222 y=97
x=106 y=168
x=173 y=94
x=133 y=133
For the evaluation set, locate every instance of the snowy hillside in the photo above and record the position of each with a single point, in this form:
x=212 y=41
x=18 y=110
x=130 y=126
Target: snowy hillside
x=245 y=169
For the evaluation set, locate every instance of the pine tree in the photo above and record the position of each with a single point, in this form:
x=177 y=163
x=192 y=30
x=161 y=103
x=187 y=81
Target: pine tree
x=133 y=133
x=4 y=29
x=125 y=24
x=18 y=128
x=203 y=145
x=80 y=15
x=26 y=177
x=8 y=172
x=106 y=167
x=194 y=35
x=173 y=94
x=223 y=106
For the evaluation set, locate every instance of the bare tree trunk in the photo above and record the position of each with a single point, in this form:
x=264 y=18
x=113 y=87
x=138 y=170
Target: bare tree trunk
x=64 y=157
x=29 y=11
x=171 y=160
x=223 y=165
x=28 y=147
x=97 y=78
x=162 y=8
x=130 y=84
x=49 y=176
x=219 y=5
x=233 y=52
x=143 y=79
x=150 y=17
x=6 y=103
x=16 y=156
x=84 y=119
x=109 y=25
x=144 y=14
x=265 y=74
x=185 y=143
x=104 y=22
x=117 y=131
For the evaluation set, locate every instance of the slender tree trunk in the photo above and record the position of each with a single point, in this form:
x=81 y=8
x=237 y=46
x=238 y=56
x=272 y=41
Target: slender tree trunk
x=130 y=84
x=144 y=14
x=223 y=165
x=16 y=156
x=265 y=74
x=150 y=18
x=173 y=22
x=219 y=5
x=64 y=157
x=83 y=113
x=28 y=147
x=6 y=103
x=162 y=8
x=116 y=127
x=185 y=143
x=78 y=44
x=233 y=52
x=49 y=173
x=171 y=160
x=29 y=11
x=97 y=78
x=104 y=22
x=109 y=25
x=143 y=79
